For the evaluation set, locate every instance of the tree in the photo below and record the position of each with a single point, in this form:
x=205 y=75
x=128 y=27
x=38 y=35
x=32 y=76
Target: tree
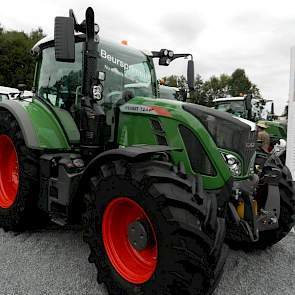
x=16 y=62
x=239 y=83
x=170 y=81
x=197 y=96
x=255 y=91
x=224 y=82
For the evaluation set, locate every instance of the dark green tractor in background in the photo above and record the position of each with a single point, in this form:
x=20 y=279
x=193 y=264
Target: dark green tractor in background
x=255 y=110
x=153 y=181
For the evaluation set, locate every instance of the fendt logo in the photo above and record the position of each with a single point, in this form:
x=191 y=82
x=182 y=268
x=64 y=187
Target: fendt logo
x=250 y=145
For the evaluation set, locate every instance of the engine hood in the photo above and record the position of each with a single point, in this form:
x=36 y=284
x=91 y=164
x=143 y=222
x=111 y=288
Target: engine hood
x=228 y=132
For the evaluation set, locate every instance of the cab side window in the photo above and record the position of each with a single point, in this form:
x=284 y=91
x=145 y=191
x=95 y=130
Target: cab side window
x=59 y=82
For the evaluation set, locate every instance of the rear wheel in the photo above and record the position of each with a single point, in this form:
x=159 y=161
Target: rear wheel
x=19 y=185
x=148 y=234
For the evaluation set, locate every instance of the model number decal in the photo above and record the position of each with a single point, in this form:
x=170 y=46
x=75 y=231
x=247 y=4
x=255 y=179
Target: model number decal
x=155 y=110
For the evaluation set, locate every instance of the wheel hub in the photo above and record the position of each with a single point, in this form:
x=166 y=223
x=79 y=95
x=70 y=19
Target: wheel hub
x=138 y=235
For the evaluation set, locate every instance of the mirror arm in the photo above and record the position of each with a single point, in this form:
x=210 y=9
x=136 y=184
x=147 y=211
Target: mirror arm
x=185 y=55
x=157 y=54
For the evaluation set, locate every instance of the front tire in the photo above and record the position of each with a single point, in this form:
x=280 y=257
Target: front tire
x=184 y=252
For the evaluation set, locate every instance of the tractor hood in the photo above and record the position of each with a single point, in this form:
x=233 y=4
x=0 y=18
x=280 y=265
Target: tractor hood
x=228 y=132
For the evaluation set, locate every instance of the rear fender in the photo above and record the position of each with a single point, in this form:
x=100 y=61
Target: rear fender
x=42 y=127
x=24 y=122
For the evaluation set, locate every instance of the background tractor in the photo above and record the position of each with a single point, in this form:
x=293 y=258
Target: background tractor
x=152 y=180
x=255 y=110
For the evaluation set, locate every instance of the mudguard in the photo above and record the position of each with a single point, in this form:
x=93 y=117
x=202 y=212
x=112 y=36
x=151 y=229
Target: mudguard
x=23 y=120
x=43 y=127
x=132 y=153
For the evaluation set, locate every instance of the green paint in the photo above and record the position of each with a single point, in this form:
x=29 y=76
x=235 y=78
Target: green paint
x=136 y=128
x=48 y=131
x=276 y=130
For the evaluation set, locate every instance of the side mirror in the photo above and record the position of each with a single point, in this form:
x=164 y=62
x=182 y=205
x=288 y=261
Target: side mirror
x=190 y=74
x=64 y=39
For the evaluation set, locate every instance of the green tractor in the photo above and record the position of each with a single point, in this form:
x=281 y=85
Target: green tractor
x=153 y=181
x=255 y=110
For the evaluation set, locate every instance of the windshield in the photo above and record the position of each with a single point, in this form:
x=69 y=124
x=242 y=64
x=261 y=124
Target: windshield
x=234 y=107
x=126 y=69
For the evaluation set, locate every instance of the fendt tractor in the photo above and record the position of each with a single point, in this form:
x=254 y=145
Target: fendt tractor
x=153 y=181
x=255 y=110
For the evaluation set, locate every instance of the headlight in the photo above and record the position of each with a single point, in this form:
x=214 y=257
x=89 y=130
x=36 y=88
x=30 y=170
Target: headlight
x=97 y=92
x=234 y=164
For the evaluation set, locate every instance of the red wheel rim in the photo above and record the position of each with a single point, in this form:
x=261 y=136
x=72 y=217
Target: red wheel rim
x=9 y=172
x=134 y=266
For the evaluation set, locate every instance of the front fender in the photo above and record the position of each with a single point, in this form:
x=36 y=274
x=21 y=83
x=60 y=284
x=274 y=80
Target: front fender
x=132 y=153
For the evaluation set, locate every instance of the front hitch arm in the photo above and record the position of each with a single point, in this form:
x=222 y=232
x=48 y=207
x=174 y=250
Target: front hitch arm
x=270 y=214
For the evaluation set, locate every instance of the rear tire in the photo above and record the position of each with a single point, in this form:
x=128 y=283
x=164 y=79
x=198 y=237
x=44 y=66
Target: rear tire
x=18 y=202
x=190 y=253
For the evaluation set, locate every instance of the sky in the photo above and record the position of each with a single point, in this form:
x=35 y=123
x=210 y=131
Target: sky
x=221 y=35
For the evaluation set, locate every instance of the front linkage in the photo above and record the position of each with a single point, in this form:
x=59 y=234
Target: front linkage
x=266 y=213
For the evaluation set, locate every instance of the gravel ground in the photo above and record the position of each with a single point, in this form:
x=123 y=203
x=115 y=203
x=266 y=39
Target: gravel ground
x=55 y=262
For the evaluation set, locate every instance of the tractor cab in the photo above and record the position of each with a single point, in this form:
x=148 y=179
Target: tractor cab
x=79 y=73
x=125 y=68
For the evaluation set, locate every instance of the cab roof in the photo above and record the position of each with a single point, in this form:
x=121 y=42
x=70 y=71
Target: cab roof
x=8 y=90
x=49 y=41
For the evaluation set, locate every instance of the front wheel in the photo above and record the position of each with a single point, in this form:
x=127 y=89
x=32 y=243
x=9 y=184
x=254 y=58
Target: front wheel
x=147 y=233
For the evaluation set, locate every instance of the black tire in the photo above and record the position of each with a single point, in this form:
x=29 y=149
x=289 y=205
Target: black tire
x=190 y=242
x=19 y=215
